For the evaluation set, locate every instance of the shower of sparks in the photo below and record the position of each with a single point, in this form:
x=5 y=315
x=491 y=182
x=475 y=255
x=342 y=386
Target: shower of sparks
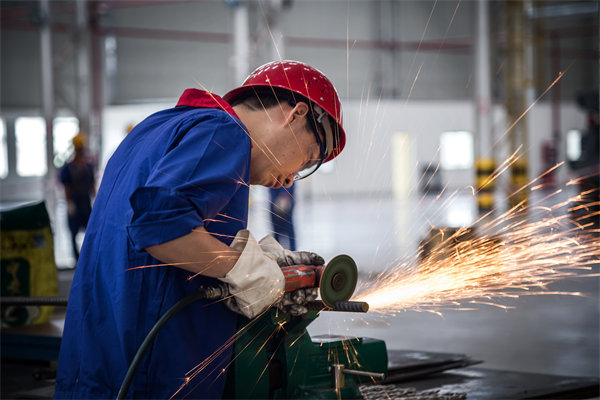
x=509 y=256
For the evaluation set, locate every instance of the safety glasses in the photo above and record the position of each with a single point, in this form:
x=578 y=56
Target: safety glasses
x=317 y=154
x=318 y=151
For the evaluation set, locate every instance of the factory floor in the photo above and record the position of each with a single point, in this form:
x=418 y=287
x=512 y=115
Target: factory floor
x=543 y=334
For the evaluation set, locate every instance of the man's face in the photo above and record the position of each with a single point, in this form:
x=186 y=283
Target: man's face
x=284 y=147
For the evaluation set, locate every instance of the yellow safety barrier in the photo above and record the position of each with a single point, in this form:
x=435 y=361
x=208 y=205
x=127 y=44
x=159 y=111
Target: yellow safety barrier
x=27 y=262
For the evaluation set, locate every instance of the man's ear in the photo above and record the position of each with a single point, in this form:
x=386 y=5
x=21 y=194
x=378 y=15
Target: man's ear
x=299 y=111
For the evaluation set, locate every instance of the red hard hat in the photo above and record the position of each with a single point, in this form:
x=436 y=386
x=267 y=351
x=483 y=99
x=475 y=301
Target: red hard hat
x=302 y=79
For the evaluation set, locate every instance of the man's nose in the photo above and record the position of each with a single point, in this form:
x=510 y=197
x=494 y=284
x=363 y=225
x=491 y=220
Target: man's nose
x=289 y=181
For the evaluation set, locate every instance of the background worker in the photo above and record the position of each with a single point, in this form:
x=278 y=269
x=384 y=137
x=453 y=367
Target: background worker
x=170 y=216
x=281 y=205
x=77 y=177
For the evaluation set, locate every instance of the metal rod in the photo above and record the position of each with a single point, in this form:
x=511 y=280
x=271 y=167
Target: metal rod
x=376 y=375
x=341 y=306
x=33 y=301
x=338 y=376
x=209 y=293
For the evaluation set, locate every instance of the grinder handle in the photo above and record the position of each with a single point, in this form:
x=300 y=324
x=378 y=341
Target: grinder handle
x=301 y=276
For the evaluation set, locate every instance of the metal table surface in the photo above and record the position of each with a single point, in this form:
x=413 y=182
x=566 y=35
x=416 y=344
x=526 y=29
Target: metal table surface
x=455 y=373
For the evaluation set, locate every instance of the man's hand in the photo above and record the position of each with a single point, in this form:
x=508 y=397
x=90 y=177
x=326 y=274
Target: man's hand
x=293 y=303
x=255 y=281
x=287 y=257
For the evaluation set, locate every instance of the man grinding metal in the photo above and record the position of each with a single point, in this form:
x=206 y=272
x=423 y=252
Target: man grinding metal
x=171 y=215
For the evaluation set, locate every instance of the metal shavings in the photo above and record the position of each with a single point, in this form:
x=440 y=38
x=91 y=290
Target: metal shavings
x=395 y=392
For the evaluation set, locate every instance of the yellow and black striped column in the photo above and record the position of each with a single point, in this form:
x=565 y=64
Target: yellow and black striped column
x=485 y=185
x=518 y=179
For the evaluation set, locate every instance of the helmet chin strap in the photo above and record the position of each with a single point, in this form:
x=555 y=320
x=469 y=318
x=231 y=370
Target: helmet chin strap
x=323 y=120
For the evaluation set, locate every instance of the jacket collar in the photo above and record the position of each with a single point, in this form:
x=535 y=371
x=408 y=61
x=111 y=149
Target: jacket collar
x=203 y=99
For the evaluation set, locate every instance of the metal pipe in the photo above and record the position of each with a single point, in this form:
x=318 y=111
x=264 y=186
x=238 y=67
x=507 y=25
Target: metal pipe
x=208 y=293
x=274 y=12
x=340 y=306
x=483 y=86
x=33 y=301
x=375 y=375
x=387 y=78
x=211 y=293
x=47 y=101
x=83 y=108
x=338 y=376
x=241 y=38
x=339 y=371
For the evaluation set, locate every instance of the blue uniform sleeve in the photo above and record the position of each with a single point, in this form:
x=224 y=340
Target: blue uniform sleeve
x=191 y=182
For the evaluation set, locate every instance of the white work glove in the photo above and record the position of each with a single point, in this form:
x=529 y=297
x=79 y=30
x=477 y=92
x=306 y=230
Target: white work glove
x=287 y=257
x=255 y=281
x=293 y=303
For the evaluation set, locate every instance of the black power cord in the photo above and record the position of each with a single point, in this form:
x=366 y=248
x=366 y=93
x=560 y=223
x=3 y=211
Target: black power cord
x=209 y=293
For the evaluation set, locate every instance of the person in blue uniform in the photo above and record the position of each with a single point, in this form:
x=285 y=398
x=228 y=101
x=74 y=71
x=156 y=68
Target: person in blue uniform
x=77 y=177
x=281 y=207
x=170 y=215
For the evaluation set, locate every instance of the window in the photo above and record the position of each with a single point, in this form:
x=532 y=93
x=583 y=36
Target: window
x=65 y=129
x=573 y=145
x=456 y=150
x=3 y=151
x=30 y=135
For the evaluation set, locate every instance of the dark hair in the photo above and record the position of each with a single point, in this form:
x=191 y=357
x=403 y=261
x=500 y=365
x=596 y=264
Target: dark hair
x=265 y=98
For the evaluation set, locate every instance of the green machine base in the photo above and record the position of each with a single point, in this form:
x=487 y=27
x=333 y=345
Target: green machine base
x=275 y=358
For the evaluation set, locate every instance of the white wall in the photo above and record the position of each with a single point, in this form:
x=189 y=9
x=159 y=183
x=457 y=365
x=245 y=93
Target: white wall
x=116 y=120
x=365 y=166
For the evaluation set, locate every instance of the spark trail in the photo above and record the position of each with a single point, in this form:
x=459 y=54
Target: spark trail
x=510 y=256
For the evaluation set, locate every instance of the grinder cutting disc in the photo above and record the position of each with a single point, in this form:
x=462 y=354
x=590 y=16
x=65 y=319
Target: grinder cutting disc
x=338 y=280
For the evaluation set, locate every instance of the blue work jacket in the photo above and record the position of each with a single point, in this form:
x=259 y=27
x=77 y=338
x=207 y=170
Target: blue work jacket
x=181 y=168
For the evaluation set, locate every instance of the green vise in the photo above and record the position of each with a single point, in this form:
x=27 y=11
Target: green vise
x=275 y=358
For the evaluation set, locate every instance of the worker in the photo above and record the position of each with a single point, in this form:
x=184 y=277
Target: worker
x=171 y=215
x=281 y=208
x=77 y=177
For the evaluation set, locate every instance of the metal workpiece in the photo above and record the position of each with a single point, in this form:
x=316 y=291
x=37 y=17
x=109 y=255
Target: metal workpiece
x=33 y=301
x=342 y=306
x=338 y=376
x=394 y=392
x=368 y=374
x=339 y=370
x=204 y=292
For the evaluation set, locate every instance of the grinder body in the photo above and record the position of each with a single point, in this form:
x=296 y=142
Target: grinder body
x=336 y=280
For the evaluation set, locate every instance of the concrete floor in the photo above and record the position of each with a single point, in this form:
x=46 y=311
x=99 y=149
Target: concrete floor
x=543 y=334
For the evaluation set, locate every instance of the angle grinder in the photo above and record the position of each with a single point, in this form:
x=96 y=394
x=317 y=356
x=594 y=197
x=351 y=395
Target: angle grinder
x=336 y=282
